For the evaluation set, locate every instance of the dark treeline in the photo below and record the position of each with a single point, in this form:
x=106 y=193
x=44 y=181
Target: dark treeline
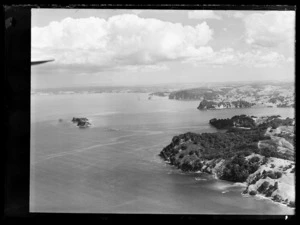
x=235 y=121
x=196 y=94
x=187 y=151
x=248 y=121
x=208 y=104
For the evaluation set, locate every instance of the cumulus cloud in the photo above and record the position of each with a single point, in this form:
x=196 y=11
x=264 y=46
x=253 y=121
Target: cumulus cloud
x=270 y=29
x=121 y=41
x=203 y=15
x=129 y=42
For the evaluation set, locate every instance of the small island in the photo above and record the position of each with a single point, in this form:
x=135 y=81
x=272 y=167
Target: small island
x=81 y=122
x=259 y=152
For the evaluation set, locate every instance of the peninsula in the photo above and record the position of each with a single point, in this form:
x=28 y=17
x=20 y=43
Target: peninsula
x=259 y=152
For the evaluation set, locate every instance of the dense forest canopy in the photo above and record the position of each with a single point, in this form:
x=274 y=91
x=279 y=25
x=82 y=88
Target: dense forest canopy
x=187 y=151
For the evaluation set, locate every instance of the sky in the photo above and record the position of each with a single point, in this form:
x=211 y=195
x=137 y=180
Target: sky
x=112 y=47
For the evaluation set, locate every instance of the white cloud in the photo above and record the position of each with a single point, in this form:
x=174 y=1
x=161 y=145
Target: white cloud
x=136 y=11
x=203 y=15
x=290 y=59
x=232 y=14
x=229 y=56
x=261 y=59
x=121 y=41
x=144 y=68
x=128 y=42
x=238 y=14
x=270 y=29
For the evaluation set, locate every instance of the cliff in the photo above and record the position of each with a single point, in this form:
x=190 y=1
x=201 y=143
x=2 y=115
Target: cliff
x=239 y=155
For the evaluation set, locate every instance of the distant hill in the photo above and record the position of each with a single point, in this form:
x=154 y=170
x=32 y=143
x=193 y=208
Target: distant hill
x=240 y=95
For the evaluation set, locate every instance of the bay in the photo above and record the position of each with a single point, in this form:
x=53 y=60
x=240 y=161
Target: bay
x=113 y=166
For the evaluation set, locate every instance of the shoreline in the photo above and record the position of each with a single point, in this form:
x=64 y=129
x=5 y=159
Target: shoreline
x=261 y=197
x=240 y=185
x=258 y=172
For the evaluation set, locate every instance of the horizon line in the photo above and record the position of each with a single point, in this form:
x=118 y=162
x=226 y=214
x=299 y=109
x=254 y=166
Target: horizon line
x=162 y=84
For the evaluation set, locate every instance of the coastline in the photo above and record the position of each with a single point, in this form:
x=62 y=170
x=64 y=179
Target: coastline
x=186 y=153
x=239 y=185
x=262 y=197
x=184 y=187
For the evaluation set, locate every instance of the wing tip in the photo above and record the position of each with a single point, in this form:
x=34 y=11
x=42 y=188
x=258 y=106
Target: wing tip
x=36 y=62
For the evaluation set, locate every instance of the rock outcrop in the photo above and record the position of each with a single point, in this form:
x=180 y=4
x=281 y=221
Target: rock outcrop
x=274 y=180
x=81 y=122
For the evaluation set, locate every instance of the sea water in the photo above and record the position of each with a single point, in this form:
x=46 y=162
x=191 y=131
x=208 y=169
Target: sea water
x=113 y=166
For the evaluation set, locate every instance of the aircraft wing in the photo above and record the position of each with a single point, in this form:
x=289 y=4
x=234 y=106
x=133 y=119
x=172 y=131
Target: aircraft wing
x=40 y=62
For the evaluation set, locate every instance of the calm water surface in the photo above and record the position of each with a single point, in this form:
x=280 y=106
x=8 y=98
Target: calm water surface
x=113 y=167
